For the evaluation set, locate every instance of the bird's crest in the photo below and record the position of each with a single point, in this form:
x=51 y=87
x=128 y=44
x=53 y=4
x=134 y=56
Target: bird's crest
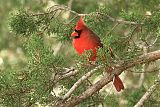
x=80 y=24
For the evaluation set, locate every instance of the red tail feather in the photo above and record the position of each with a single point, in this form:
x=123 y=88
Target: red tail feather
x=118 y=84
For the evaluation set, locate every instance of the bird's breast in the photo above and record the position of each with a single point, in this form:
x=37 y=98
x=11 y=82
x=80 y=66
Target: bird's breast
x=83 y=44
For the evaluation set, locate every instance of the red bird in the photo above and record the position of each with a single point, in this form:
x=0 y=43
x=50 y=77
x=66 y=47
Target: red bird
x=86 y=39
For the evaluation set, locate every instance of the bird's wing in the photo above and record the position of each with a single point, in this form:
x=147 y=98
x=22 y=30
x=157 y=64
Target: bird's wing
x=96 y=39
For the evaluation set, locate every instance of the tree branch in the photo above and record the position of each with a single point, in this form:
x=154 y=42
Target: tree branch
x=146 y=96
x=80 y=81
x=56 y=8
x=152 y=56
x=69 y=72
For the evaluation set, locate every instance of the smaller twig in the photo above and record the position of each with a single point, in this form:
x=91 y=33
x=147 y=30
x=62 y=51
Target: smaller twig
x=150 y=45
x=153 y=42
x=65 y=8
x=127 y=22
x=112 y=29
x=69 y=72
x=67 y=23
x=146 y=96
x=152 y=71
x=132 y=33
x=119 y=20
x=80 y=81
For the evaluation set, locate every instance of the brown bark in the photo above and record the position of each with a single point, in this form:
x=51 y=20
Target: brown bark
x=152 y=56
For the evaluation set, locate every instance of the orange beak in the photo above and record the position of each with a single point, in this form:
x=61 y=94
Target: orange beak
x=74 y=34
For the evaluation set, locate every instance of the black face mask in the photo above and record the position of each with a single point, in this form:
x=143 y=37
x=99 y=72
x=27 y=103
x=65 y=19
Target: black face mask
x=79 y=33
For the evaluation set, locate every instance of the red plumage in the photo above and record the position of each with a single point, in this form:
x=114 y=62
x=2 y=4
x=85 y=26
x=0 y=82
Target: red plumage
x=86 y=39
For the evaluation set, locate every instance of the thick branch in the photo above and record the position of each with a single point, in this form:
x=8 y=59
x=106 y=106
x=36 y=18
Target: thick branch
x=152 y=56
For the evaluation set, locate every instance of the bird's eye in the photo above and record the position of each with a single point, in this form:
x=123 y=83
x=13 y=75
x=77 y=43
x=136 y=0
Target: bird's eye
x=78 y=31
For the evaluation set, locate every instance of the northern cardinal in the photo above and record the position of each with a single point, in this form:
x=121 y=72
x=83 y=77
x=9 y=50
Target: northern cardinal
x=86 y=39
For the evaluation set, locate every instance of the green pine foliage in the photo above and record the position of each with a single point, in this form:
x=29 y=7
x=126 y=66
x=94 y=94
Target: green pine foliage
x=22 y=23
